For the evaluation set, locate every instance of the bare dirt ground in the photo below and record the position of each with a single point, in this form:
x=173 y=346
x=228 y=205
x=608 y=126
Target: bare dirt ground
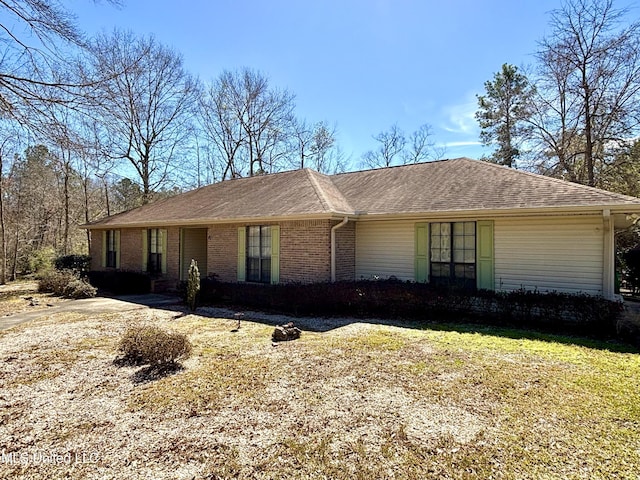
x=17 y=297
x=348 y=400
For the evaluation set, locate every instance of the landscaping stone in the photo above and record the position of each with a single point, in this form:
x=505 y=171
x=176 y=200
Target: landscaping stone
x=283 y=333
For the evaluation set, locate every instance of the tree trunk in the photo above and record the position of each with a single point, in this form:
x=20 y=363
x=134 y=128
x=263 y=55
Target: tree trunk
x=3 y=236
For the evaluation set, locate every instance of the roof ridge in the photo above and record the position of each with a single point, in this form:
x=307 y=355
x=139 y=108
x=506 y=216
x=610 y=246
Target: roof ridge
x=326 y=203
x=393 y=167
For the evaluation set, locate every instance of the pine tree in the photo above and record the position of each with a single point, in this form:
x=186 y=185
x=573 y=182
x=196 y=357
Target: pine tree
x=503 y=112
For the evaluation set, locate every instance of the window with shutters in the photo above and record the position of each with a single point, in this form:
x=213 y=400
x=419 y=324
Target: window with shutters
x=258 y=254
x=453 y=254
x=112 y=249
x=155 y=246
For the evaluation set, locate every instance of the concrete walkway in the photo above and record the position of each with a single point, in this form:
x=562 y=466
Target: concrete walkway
x=93 y=305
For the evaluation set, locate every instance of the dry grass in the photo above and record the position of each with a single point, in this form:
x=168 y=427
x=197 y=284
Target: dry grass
x=359 y=401
x=23 y=296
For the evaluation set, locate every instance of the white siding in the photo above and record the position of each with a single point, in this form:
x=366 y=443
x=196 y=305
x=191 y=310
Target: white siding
x=385 y=249
x=562 y=254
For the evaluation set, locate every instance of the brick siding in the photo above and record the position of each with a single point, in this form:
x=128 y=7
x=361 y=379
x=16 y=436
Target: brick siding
x=96 y=250
x=346 y=252
x=222 y=252
x=131 y=249
x=305 y=251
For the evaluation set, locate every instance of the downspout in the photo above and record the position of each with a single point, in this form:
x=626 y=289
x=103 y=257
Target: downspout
x=608 y=264
x=333 y=246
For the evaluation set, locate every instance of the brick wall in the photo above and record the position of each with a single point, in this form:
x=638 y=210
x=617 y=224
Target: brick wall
x=131 y=249
x=305 y=251
x=173 y=254
x=222 y=252
x=96 y=250
x=346 y=252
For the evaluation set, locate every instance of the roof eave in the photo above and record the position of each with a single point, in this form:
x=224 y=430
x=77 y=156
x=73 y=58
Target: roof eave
x=506 y=212
x=476 y=213
x=202 y=222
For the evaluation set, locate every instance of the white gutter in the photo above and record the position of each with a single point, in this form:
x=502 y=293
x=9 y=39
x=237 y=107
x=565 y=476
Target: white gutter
x=608 y=261
x=333 y=246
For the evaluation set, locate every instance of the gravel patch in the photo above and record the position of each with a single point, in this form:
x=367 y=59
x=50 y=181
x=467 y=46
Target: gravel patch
x=67 y=411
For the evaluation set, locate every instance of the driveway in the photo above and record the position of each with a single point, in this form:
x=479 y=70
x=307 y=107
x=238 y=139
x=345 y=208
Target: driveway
x=93 y=305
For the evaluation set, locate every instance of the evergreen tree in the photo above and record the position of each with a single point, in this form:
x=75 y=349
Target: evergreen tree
x=503 y=112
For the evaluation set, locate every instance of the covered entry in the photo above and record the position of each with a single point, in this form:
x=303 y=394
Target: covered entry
x=193 y=245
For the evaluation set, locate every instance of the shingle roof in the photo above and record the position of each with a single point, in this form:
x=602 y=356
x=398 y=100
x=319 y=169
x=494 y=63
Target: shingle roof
x=465 y=184
x=434 y=187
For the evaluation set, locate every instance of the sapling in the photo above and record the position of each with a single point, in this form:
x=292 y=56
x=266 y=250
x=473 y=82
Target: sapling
x=193 y=285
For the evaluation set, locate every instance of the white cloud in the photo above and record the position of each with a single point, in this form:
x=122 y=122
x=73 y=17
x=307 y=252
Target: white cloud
x=460 y=118
x=469 y=143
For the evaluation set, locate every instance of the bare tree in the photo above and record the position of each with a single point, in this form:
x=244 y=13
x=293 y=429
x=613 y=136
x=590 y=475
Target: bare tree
x=37 y=39
x=589 y=86
x=249 y=122
x=147 y=105
x=422 y=147
x=391 y=146
x=221 y=125
x=10 y=133
x=315 y=146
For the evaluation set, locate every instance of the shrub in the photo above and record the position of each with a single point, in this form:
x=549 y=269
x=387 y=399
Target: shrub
x=79 y=288
x=554 y=311
x=56 y=281
x=151 y=345
x=77 y=263
x=65 y=283
x=193 y=285
x=39 y=260
x=632 y=260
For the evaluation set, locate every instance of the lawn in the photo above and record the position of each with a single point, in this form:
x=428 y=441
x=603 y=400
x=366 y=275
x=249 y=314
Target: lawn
x=360 y=400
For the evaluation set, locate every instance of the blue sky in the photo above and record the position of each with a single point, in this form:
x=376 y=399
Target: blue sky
x=361 y=64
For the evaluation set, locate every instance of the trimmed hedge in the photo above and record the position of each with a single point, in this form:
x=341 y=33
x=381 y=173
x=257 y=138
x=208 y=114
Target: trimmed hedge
x=121 y=282
x=77 y=263
x=579 y=313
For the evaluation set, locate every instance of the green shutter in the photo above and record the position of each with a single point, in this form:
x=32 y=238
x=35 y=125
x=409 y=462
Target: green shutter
x=422 y=252
x=103 y=260
x=275 y=254
x=163 y=242
x=117 y=245
x=242 y=253
x=145 y=249
x=485 y=267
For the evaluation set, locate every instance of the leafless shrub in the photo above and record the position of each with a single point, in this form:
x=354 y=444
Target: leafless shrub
x=151 y=345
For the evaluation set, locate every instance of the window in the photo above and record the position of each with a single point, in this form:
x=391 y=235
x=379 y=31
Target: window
x=111 y=249
x=453 y=254
x=155 y=246
x=258 y=254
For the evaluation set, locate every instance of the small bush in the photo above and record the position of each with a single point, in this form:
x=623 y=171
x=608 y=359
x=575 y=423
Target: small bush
x=79 y=288
x=77 y=263
x=193 y=285
x=65 y=283
x=151 y=345
x=56 y=281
